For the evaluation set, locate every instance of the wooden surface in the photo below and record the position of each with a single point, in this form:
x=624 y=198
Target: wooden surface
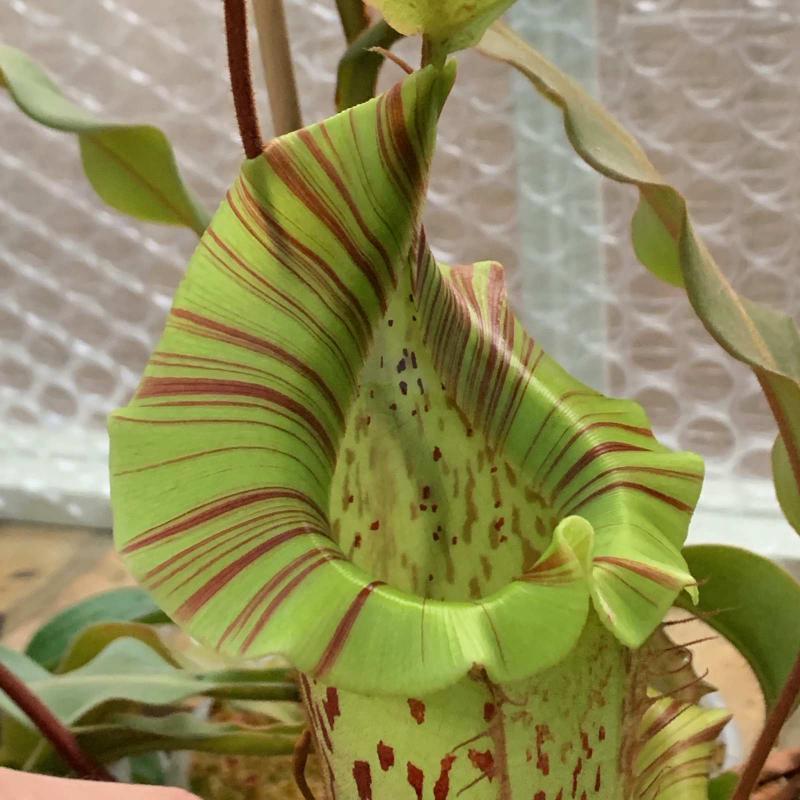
x=46 y=568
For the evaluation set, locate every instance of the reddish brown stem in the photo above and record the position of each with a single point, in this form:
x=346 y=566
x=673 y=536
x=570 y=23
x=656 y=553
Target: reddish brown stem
x=301 y=751
x=241 y=78
x=402 y=63
x=62 y=739
x=769 y=734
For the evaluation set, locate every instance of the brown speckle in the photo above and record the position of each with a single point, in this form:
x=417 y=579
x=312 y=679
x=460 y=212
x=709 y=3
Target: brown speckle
x=417 y=709
x=385 y=756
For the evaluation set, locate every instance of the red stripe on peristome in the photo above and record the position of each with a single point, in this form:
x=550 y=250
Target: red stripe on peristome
x=166 y=387
x=270 y=586
x=282 y=596
x=553 y=410
x=627 y=584
x=632 y=468
x=201 y=550
x=212 y=510
x=337 y=642
x=602 y=449
x=314 y=267
x=590 y=427
x=636 y=487
x=269 y=293
x=282 y=163
x=257 y=344
x=644 y=570
x=238 y=544
x=328 y=168
x=196 y=601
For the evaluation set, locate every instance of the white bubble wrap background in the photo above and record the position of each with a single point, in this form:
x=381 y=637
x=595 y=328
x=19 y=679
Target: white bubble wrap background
x=711 y=91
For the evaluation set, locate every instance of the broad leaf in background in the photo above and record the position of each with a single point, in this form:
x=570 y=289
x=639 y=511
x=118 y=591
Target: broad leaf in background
x=124 y=734
x=93 y=639
x=665 y=242
x=754 y=604
x=126 y=669
x=786 y=487
x=128 y=604
x=113 y=666
x=448 y=25
x=131 y=167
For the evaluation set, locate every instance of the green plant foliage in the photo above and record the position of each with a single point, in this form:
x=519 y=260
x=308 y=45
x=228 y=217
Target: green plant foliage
x=665 y=242
x=786 y=488
x=124 y=734
x=127 y=669
x=357 y=73
x=131 y=167
x=448 y=25
x=130 y=603
x=114 y=669
x=754 y=604
x=722 y=787
x=93 y=639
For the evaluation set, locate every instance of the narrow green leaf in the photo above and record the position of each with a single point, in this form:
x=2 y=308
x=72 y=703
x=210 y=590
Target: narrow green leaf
x=186 y=731
x=754 y=604
x=50 y=642
x=93 y=639
x=126 y=669
x=353 y=16
x=147 y=768
x=357 y=73
x=449 y=25
x=786 y=488
x=134 y=735
x=17 y=742
x=131 y=167
x=665 y=242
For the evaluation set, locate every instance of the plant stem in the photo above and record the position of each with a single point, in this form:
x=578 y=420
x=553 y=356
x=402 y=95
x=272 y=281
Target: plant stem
x=354 y=18
x=241 y=79
x=276 y=58
x=766 y=740
x=301 y=751
x=51 y=728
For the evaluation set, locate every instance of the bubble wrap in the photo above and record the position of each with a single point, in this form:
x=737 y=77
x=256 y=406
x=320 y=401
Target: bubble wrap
x=709 y=90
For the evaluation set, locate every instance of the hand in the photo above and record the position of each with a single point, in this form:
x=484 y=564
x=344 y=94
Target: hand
x=27 y=786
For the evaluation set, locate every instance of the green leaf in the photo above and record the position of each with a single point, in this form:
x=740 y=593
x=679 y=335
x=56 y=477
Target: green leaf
x=126 y=669
x=449 y=25
x=131 y=167
x=357 y=73
x=93 y=639
x=786 y=488
x=147 y=768
x=754 y=604
x=665 y=242
x=50 y=642
x=361 y=461
x=722 y=787
x=132 y=733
